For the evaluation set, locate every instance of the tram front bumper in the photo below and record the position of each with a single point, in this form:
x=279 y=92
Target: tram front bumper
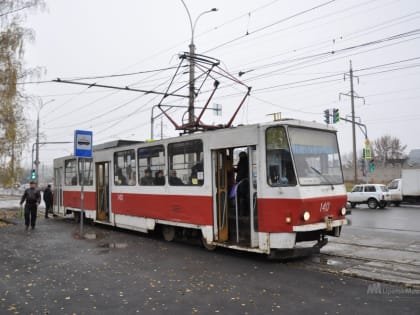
x=319 y=226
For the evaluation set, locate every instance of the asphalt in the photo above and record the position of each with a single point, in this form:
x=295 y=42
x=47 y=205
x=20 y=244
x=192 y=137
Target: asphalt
x=52 y=271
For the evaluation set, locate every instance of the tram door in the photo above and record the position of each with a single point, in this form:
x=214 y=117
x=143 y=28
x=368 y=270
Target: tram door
x=102 y=191
x=58 y=191
x=223 y=168
x=236 y=212
x=252 y=150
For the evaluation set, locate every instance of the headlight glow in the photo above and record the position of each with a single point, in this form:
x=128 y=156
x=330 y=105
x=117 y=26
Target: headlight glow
x=343 y=211
x=306 y=216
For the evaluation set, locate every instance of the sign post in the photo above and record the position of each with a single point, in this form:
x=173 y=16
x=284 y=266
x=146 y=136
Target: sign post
x=367 y=156
x=83 y=150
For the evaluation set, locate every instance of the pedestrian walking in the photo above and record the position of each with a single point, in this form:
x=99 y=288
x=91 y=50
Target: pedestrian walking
x=48 y=199
x=32 y=197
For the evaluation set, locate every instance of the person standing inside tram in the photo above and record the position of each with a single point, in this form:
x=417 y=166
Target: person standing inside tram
x=242 y=182
x=242 y=169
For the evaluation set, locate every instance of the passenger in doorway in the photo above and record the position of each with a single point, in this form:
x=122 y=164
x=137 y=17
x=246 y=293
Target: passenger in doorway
x=32 y=197
x=147 y=179
x=242 y=180
x=48 y=199
x=159 y=178
x=174 y=180
x=242 y=170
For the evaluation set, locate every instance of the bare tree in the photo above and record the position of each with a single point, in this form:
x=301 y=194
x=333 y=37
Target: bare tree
x=388 y=148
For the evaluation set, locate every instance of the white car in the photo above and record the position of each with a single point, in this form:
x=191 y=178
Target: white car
x=374 y=195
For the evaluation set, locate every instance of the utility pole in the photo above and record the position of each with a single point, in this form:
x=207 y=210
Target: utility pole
x=191 y=117
x=353 y=125
x=353 y=118
x=37 y=138
x=37 y=146
x=192 y=79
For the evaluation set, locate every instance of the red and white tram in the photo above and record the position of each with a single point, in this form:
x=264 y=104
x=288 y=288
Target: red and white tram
x=292 y=198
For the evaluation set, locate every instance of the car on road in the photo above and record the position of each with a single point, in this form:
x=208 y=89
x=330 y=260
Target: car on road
x=374 y=195
x=395 y=191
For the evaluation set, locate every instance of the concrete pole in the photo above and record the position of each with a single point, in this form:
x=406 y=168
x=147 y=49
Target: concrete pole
x=192 y=83
x=37 y=147
x=37 y=138
x=353 y=124
x=192 y=55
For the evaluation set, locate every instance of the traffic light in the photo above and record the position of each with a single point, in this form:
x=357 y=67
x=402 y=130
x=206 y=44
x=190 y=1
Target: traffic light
x=362 y=163
x=372 y=166
x=33 y=174
x=327 y=116
x=336 y=115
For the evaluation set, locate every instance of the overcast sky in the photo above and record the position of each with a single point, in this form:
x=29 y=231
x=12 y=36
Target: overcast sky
x=294 y=56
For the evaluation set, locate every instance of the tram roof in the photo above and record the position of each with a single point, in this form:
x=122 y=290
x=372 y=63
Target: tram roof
x=114 y=144
x=285 y=121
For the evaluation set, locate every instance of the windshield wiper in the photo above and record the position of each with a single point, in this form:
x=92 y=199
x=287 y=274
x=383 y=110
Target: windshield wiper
x=323 y=176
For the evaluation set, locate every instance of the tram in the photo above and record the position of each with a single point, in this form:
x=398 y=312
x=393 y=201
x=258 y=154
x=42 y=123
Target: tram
x=290 y=200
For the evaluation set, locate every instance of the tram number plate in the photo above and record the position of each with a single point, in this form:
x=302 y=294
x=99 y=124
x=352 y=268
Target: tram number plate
x=329 y=222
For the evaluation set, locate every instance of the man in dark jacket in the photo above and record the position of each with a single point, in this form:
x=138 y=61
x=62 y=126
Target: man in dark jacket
x=48 y=199
x=33 y=199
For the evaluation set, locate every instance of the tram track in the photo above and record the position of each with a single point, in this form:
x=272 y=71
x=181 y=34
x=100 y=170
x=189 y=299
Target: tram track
x=365 y=259
x=369 y=261
x=378 y=247
x=383 y=229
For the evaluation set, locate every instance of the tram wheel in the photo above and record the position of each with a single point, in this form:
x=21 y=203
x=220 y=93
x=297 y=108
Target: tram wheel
x=207 y=246
x=168 y=233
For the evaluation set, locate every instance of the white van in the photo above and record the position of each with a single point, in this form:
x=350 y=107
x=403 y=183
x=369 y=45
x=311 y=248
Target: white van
x=395 y=191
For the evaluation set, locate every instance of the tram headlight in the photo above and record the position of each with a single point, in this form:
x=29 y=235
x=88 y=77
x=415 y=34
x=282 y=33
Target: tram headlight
x=343 y=211
x=288 y=220
x=306 y=216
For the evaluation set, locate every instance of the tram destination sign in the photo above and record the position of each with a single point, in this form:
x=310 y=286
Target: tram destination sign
x=83 y=143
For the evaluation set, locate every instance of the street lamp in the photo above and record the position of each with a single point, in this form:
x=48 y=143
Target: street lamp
x=37 y=136
x=192 y=53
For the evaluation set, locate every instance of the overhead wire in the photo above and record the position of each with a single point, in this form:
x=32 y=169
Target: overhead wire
x=271 y=25
x=293 y=82
x=332 y=14
x=343 y=38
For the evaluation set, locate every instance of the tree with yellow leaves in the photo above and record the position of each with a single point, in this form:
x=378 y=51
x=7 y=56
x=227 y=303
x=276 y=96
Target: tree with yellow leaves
x=13 y=127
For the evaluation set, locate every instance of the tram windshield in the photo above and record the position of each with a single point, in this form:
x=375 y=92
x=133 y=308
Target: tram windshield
x=316 y=156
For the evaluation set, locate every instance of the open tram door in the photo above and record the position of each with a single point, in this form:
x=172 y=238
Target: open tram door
x=102 y=191
x=58 y=191
x=235 y=212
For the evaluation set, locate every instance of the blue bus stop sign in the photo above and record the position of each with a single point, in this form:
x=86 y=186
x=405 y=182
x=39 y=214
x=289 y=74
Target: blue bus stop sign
x=83 y=143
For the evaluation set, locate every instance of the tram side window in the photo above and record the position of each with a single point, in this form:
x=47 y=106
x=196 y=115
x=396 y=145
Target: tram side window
x=70 y=172
x=279 y=161
x=151 y=162
x=125 y=168
x=186 y=166
x=86 y=166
